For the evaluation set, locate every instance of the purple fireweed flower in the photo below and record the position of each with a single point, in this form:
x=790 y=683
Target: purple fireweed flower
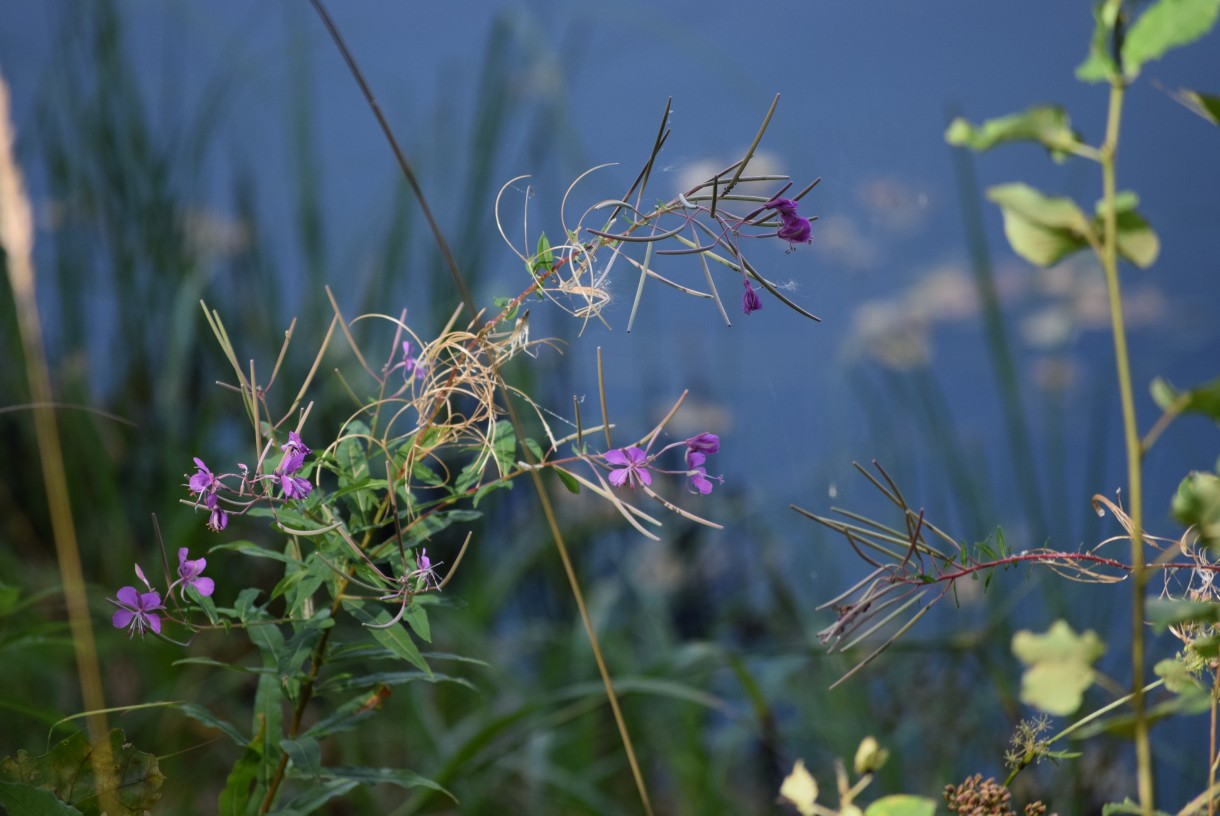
x=218 y=519
x=424 y=569
x=136 y=611
x=295 y=452
x=634 y=467
x=796 y=229
x=190 y=573
x=750 y=301
x=411 y=365
x=203 y=480
x=294 y=487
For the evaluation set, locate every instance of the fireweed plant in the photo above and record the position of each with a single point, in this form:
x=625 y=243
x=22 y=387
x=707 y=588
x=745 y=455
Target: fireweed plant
x=434 y=429
x=914 y=563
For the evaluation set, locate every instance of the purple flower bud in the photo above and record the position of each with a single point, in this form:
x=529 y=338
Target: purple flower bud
x=704 y=442
x=136 y=611
x=750 y=301
x=783 y=206
x=218 y=519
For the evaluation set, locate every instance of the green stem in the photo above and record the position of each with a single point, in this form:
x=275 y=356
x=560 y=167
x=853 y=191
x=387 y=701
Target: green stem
x=1131 y=438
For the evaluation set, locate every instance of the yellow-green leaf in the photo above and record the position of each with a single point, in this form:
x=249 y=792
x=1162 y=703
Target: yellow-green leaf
x=1060 y=666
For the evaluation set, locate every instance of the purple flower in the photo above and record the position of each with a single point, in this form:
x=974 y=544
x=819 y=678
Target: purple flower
x=218 y=519
x=411 y=365
x=783 y=206
x=423 y=568
x=704 y=443
x=295 y=452
x=294 y=487
x=137 y=611
x=750 y=301
x=190 y=573
x=634 y=468
x=796 y=229
x=203 y=479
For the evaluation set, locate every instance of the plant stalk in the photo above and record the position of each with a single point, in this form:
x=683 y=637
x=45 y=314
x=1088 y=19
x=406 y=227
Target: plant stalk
x=1132 y=443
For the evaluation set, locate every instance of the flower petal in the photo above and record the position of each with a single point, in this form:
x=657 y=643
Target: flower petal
x=128 y=597
x=122 y=618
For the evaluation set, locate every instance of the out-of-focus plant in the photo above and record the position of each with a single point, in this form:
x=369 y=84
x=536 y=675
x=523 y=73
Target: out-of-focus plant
x=915 y=564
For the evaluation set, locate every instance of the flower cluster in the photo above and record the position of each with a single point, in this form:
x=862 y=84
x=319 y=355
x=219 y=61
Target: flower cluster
x=140 y=612
x=631 y=465
x=205 y=486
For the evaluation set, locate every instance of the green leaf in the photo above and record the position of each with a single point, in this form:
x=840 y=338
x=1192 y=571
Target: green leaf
x=1166 y=25
x=395 y=638
x=1166 y=612
x=1048 y=125
x=1099 y=65
x=1177 y=675
x=242 y=789
x=1060 y=667
x=901 y=805
x=1137 y=242
x=67 y=772
x=569 y=481
x=391 y=776
x=1205 y=105
x=505 y=446
x=255 y=551
x=1041 y=229
x=8 y=597
x=30 y=801
x=1202 y=400
x=417 y=618
x=544 y=258
x=1197 y=504
x=305 y=754
x=350 y=714
x=200 y=714
x=351 y=456
x=317 y=795
x=1206 y=647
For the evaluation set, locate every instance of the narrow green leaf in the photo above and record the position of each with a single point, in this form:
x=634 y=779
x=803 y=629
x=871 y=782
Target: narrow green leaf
x=1167 y=24
x=316 y=796
x=350 y=714
x=569 y=481
x=202 y=715
x=1046 y=125
x=392 y=776
x=1205 y=105
x=395 y=638
x=1041 y=229
x=241 y=786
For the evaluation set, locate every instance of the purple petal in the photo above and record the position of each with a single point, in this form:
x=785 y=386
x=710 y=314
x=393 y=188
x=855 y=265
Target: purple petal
x=206 y=586
x=182 y=553
x=128 y=597
x=154 y=621
x=783 y=206
x=706 y=442
x=616 y=457
x=644 y=475
x=636 y=455
x=699 y=482
x=750 y=301
x=122 y=618
x=796 y=230
x=150 y=600
x=617 y=477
